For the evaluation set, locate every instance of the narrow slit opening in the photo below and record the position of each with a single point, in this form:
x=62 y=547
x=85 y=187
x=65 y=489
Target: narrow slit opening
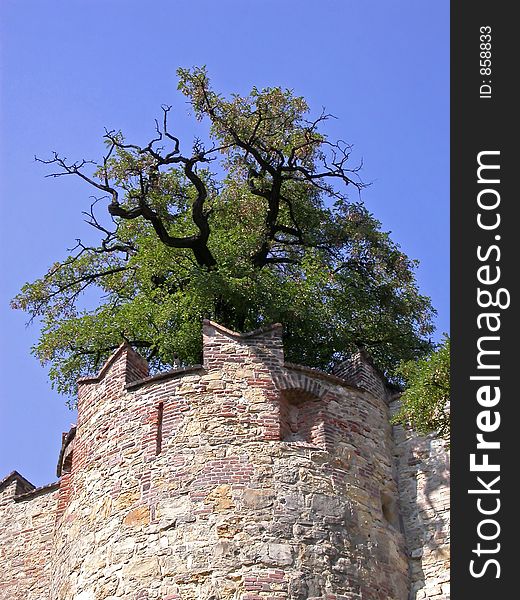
x=160 y=411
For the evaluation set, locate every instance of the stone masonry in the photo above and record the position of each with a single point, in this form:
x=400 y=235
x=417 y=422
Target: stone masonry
x=244 y=478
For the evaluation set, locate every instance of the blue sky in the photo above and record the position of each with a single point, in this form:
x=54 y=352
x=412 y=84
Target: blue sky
x=70 y=69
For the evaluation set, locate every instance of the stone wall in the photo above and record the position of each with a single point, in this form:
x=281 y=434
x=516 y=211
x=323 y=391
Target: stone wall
x=244 y=478
x=424 y=480
x=27 y=517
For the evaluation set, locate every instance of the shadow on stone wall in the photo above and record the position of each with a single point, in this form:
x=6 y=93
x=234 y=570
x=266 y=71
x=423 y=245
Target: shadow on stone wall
x=424 y=479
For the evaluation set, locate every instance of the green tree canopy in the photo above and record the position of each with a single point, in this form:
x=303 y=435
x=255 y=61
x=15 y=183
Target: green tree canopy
x=250 y=227
x=425 y=401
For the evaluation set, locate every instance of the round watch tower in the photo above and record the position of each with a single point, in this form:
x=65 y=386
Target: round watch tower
x=243 y=478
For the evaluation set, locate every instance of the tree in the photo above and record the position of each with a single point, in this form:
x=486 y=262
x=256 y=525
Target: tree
x=252 y=226
x=425 y=401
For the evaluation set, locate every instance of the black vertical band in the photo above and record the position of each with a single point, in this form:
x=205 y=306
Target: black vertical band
x=484 y=320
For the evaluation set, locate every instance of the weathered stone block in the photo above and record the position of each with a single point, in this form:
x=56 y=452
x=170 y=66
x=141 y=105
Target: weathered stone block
x=137 y=517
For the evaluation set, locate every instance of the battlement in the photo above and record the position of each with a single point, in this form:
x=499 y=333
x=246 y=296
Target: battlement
x=14 y=485
x=235 y=475
x=224 y=349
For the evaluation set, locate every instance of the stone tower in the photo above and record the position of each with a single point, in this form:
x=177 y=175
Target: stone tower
x=245 y=478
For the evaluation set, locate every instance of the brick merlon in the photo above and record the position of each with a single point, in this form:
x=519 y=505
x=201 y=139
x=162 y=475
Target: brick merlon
x=15 y=476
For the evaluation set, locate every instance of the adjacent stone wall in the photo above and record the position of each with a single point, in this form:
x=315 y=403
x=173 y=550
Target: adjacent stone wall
x=424 y=493
x=26 y=539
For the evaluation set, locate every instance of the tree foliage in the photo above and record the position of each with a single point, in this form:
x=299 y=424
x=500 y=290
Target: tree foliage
x=251 y=226
x=425 y=401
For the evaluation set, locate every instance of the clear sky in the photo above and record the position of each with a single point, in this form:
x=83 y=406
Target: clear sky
x=70 y=69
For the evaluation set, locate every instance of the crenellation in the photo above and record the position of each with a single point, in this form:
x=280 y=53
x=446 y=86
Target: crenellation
x=360 y=371
x=244 y=478
x=14 y=485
